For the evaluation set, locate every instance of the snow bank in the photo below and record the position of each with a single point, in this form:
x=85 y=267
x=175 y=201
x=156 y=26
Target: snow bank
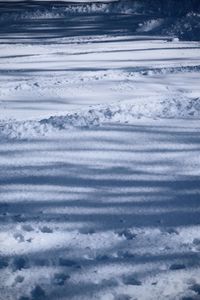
x=125 y=112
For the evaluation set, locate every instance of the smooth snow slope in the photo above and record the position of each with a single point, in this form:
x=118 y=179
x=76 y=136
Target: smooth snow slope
x=99 y=161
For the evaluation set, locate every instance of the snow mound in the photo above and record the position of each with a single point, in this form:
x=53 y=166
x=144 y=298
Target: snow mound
x=122 y=112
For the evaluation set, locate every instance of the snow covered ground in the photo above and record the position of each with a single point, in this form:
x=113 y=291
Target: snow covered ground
x=99 y=161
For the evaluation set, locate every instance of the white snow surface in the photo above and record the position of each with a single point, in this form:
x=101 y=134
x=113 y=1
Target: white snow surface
x=99 y=167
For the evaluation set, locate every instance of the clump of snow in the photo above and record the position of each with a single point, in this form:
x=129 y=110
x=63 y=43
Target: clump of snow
x=150 y=25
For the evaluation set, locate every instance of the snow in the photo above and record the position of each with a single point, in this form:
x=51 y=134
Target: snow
x=158 y=17
x=99 y=160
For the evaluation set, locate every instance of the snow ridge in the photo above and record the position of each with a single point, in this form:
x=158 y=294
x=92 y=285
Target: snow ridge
x=122 y=112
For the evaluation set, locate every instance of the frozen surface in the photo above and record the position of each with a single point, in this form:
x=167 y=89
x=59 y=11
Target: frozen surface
x=99 y=161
